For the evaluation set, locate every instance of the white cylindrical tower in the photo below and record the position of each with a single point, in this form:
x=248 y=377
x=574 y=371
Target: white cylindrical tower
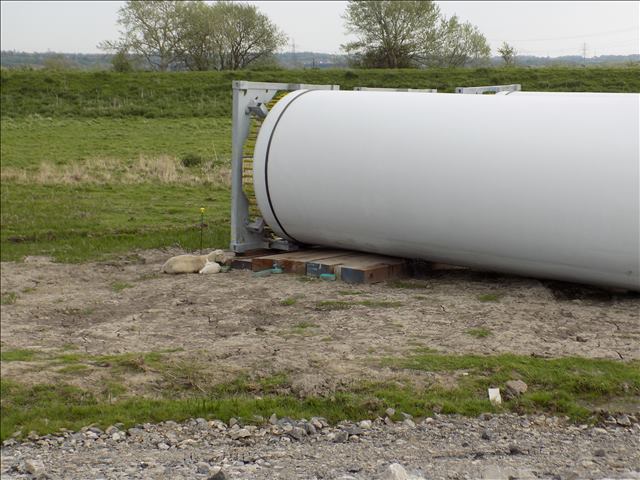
x=536 y=184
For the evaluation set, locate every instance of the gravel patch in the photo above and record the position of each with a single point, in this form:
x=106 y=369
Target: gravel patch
x=493 y=447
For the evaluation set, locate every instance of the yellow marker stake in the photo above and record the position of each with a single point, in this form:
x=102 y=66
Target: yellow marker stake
x=201 y=227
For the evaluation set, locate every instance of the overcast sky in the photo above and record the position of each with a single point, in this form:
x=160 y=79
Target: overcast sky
x=537 y=28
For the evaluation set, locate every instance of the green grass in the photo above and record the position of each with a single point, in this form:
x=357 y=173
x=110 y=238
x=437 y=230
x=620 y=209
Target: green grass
x=378 y=303
x=125 y=362
x=490 y=297
x=68 y=358
x=119 y=286
x=287 y=302
x=208 y=94
x=478 y=332
x=567 y=386
x=408 y=284
x=329 y=305
x=73 y=369
x=8 y=298
x=75 y=223
x=47 y=408
x=17 y=355
x=301 y=326
x=29 y=141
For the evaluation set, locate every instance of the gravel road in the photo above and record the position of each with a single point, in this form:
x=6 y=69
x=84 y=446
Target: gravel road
x=443 y=447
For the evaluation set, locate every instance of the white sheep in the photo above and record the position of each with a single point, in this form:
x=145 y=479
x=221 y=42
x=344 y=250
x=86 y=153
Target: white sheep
x=197 y=263
x=211 y=267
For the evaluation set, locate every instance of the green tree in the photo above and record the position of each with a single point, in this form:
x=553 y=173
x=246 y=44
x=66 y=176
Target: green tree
x=390 y=34
x=59 y=62
x=150 y=29
x=121 y=62
x=458 y=44
x=198 y=46
x=508 y=53
x=400 y=34
x=196 y=35
x=243 y=35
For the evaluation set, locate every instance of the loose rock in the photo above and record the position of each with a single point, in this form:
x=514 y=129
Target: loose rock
x=409 y=423
x=623 y=420
x=515 y=388
x=219 y=475
x=35 y=468
x=395 y=471
x=365 y=424
x=240 y=433
x=341 y=437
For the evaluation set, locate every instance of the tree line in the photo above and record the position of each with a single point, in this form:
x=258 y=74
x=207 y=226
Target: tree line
x=174 y=34
x=404 y=34
x=226 y=35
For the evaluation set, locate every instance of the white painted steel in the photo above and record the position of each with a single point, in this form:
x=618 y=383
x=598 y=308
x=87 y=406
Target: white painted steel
x=540 y=185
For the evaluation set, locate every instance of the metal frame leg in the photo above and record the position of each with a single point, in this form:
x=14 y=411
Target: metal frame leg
x=251 y=98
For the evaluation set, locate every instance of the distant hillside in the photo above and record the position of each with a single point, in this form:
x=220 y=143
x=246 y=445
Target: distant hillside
x=325 y=60
x=80 y=61
x=102 y=61
x=574 y=60
x=312 y=60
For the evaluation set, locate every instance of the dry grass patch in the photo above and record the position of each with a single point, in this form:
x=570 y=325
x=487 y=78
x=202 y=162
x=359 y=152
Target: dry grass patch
x=8 y=298
x=157 y=169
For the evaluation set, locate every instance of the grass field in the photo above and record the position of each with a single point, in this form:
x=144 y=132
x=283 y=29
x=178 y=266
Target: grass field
x=79 y=222
x=29 y=142
x=89 y=186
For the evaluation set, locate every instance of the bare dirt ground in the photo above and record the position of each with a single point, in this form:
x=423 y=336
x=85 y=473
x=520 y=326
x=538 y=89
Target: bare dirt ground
x=235 y=322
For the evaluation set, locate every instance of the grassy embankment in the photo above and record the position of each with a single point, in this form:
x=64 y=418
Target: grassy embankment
x=97 y=164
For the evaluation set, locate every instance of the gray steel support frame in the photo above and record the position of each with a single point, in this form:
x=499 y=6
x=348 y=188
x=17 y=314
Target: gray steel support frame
x=375 y=89
x=250 y=98
x=516 y=87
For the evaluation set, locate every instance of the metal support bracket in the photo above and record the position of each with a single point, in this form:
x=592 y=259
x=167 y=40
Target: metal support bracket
x=251 y=98
x=257 y=108
x=373 y=89
x=516 y=87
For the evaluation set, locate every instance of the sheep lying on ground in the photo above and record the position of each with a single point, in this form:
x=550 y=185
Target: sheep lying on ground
x=211 y=267
x=198 y=263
